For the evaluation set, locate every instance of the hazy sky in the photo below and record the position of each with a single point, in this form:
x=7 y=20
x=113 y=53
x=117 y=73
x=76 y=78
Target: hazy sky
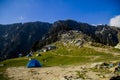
x=89 y=11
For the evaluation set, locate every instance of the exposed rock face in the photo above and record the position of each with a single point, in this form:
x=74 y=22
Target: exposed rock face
x=102 y=33
x=73 y=37
x=107 y=35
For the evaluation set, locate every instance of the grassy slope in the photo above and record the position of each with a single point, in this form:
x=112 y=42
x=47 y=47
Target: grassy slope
x=66 y=55
x=73 y=55
x=63 y=55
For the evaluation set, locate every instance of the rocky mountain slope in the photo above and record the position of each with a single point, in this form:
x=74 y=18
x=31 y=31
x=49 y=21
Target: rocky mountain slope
x=104 y=34
x=21 y=38
x=18 y=38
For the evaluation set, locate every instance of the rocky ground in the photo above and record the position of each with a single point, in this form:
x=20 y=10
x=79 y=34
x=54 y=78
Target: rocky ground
x=82 y=72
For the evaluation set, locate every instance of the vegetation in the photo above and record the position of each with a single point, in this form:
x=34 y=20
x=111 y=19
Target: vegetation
x=64 y=55
x=98 y=45
x=115 y=50
x=2 y=75
x=80 y=75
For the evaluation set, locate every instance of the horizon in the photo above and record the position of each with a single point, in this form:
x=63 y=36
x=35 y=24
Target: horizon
x=53 y=22
x=86 y=11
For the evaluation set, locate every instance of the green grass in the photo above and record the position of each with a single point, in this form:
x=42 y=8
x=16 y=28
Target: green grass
x=62 y=60
x=71 y=55
x=80 y=75
x=115 y=50
x=2 y=75
x=65 y=55
x=15 y=62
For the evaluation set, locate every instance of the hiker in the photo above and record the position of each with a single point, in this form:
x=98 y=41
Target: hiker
x=110 y=65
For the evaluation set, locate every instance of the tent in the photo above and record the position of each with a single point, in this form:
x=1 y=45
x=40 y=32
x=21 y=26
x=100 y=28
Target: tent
x=33 y=63
x=20 y=55
x=38 y=54
x=28 y=55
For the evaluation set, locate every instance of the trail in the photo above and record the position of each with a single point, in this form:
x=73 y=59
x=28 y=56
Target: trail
x=105 y=50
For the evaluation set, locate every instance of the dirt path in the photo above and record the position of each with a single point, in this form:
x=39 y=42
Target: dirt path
x=103 y=50
x=82 y=72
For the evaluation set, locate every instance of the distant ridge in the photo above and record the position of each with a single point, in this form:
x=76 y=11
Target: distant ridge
x=21 y=38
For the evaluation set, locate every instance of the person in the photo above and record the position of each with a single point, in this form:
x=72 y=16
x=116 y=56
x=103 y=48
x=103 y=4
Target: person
x=110 y=65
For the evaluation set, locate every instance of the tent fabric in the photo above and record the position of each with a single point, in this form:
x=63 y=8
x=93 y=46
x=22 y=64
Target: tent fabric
x=29 y=55
x=33 y=63
x=38 y=54
x=20 y=55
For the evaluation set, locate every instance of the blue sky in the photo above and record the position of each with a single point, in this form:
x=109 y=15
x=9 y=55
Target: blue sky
x=89 y=11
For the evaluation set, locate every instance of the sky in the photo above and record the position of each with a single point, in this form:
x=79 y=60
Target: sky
x=88 y=11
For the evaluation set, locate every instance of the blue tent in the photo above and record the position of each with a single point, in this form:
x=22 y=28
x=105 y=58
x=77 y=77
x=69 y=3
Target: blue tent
x=33 y=63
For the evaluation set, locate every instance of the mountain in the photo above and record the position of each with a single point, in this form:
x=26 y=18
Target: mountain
x=22 y=38
x=103 y=34
x=18 y=38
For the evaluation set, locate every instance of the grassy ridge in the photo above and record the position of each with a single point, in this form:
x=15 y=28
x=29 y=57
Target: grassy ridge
x=65 y=55
x=68 y=55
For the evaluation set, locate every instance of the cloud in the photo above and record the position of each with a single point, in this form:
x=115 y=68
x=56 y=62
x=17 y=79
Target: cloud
x=115 y=21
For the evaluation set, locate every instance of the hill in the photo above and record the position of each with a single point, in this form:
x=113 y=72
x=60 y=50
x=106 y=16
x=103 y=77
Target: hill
x=75 y=57
x=103 y=34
